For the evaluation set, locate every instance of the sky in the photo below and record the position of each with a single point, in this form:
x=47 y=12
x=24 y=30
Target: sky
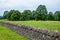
x=21 y=5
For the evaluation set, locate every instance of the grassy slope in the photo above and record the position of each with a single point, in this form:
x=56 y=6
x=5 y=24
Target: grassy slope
x=51 y=25
x=6 y=34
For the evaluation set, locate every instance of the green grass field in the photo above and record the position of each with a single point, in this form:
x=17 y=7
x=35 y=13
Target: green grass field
x=6 y=34
x=50 y=25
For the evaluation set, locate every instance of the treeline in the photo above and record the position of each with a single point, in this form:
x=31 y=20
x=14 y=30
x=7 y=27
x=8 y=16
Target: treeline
x=1 y=17
x=40 y=13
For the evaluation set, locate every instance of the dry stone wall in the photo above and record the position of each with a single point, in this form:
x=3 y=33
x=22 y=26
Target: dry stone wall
x=33 y=33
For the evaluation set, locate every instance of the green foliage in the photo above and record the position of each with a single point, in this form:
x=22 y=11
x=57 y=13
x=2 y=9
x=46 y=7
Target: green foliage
x=5 y=14
x=40 y=13
x=36 y=15
x=42 y=10
x=12 y=15
x=26 y=15
x=16 y=15
x=57 y=15
x=1 y=17
x=9 y=14
x=50 y=16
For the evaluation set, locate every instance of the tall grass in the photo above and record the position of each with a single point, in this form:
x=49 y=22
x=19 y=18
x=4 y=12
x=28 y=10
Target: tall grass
x=50 y=25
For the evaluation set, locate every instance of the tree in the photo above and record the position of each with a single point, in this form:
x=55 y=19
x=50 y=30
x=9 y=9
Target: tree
x=1 y=17
x=36 y=15
x=9 y=14
x=26 y=15
x=15 y=15
x=40 y=13
x=42 y=10
x=57 y=15
x=5 y=14
x=50 y=16
x=12 y=15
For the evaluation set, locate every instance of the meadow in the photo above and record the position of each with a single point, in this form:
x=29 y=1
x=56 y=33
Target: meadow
x=50 y=25
x=7 y=34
